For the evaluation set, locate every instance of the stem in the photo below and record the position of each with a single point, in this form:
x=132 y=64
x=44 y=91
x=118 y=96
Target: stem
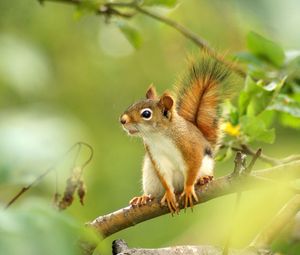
x=240 y=160
x=110 y=9
x=272 y=161
x=180 y=28
x=50 y=169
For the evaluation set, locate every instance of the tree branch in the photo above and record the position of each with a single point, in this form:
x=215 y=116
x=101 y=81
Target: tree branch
x=272 y=161
x=120 y=247
x=260 y=245
x=129 y=216
x=110 y=9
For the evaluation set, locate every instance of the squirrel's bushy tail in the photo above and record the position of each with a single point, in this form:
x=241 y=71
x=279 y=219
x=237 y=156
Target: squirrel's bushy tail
x=200 y=91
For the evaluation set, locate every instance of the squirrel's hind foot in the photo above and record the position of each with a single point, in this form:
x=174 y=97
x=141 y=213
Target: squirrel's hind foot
x=189 y=195
x=141 y=200
x=170 y=199
x=204 y=180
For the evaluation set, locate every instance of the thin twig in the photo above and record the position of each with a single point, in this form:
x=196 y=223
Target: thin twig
x=271 y=160
x=239 y=164
x=180 y=28
x=251 y=165
x=109 y=9
x=24 y=189
x=240 y=168
x=50 y=169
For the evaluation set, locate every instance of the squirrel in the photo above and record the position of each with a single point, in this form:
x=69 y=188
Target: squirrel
x=180 y=133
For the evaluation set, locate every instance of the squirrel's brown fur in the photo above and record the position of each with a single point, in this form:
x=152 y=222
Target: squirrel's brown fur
x=200 y=91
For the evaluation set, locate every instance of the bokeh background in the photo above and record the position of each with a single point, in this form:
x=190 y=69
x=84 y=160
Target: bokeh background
x=65 y=78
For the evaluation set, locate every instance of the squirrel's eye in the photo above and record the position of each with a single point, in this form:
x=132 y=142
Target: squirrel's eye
x=146 y=114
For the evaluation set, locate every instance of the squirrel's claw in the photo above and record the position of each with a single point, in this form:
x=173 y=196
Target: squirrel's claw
x=141 y=200
x=189 y=194
x=170 y=198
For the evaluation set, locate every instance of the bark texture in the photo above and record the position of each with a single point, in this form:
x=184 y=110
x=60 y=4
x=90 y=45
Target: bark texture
x=120 y=248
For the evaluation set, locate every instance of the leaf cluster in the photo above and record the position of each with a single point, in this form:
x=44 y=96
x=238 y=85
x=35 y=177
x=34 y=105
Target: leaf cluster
x=271 y=93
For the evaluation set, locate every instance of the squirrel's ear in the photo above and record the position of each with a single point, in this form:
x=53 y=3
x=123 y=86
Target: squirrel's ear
x=166 y=101
x=151 y=92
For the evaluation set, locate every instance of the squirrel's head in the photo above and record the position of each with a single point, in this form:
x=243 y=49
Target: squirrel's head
x=148 y=116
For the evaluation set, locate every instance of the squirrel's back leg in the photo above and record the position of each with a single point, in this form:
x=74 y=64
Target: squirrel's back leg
x=196 y=175
x=206 y=172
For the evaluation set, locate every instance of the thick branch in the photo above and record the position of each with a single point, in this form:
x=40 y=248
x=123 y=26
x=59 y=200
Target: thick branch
x=129 y=216
x=120 y=248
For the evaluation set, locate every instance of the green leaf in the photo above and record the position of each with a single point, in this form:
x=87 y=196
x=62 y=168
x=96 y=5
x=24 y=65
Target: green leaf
x=286 y=104
x=245 y=96
x=250 y=85
x=255 y=130
x=265 y=49
x=243 y=102
x=131 y=34
x=166 y=3
x=230 y=110
x=247 y=57
x=289 y=121
x=255 y=98
x=259 y=102
x=86 y=7
x=260 y=96
x=267 y=117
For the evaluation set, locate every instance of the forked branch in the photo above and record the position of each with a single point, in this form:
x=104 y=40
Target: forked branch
x=260 y=245
x=129 y=216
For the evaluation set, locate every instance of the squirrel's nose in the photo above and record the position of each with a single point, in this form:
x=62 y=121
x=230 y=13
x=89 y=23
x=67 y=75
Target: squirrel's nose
x=124 y=119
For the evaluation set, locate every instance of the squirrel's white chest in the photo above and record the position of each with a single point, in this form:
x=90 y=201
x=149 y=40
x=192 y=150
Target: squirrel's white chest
x=168 y=159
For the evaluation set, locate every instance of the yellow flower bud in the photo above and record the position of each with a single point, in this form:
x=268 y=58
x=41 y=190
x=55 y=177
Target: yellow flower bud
x=229 y=129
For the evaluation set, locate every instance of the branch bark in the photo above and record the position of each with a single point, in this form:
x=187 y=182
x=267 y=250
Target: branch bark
x=259 y=246
x=120 y=247
x=129 y=216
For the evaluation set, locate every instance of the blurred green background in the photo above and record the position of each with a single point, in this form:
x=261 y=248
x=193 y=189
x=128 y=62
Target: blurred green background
x=65 y=79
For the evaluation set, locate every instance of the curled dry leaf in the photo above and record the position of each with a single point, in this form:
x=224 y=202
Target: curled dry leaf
x=81 y=191
x=74 y=183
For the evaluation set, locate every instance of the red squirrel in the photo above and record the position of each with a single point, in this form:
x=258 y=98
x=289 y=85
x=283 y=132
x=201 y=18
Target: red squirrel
x=180 y=134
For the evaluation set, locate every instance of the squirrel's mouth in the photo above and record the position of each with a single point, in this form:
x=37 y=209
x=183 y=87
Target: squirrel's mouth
x=130 y=130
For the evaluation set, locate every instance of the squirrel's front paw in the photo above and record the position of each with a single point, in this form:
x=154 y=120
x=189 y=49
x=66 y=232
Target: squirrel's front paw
x=189 y=194
x=170 y=198
x=142 y=200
